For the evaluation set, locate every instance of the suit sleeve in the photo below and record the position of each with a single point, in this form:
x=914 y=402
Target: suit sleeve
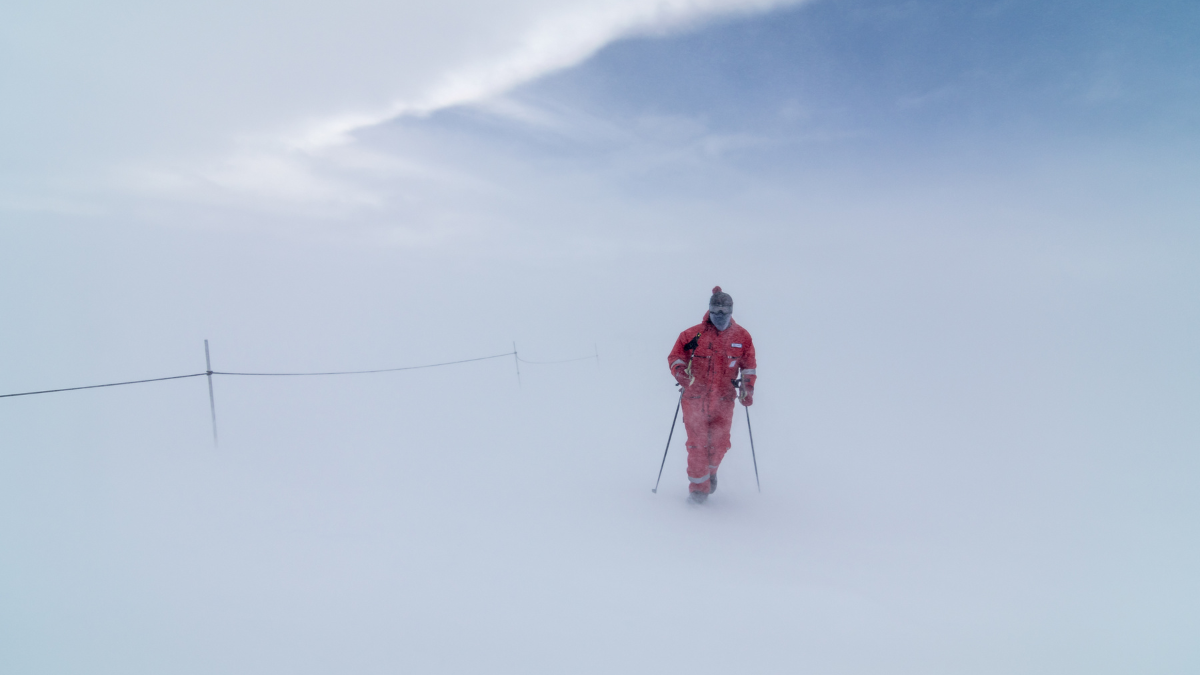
x=749 y=363
x=678 y=357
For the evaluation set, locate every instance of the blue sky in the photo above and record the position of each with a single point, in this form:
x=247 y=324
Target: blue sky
x=899 y=81
x=865 y=84
x=920 y=71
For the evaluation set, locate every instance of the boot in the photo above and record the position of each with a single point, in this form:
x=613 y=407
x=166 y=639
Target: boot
x=712 y=482
x=698 y=497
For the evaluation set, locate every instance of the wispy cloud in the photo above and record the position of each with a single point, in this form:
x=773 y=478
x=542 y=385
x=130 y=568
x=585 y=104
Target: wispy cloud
x=275 y=120
x=311 y=163
x=554 y=42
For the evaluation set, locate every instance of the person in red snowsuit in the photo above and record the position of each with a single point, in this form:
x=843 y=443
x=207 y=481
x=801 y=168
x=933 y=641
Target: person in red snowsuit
x=706 y=361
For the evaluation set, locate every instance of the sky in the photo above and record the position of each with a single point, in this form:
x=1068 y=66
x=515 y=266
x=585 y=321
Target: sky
x=963 y=236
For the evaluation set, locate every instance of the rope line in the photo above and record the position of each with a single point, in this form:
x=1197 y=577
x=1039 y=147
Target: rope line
x=336 y=372
x=544 y=363
x=363 y=372
x=97 y=386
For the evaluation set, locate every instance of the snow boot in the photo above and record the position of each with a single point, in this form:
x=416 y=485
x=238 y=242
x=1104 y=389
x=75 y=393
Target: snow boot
x=712 y=482
x=698 y=497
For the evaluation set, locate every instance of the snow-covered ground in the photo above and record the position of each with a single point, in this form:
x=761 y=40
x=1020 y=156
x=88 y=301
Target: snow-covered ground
x=967 y=466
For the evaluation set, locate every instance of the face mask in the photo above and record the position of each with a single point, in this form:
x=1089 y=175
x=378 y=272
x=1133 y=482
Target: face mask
x=720 y=315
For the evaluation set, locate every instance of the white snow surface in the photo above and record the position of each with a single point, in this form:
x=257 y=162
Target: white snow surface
x=967 y=467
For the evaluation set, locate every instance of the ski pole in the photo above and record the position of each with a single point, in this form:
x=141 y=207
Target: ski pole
x=664 y=460
x=752 y=456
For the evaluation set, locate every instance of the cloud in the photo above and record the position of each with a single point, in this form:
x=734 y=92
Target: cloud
x=553 y=42
x=246 y=103
x=306 y=162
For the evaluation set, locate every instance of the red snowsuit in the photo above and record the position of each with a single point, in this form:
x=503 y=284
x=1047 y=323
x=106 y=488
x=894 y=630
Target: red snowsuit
x=714 y=357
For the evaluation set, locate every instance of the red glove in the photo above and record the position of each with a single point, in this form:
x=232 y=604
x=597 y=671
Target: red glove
x=747 y=395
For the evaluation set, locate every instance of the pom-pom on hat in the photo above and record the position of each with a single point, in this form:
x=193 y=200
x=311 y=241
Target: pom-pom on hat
x=720 y=297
